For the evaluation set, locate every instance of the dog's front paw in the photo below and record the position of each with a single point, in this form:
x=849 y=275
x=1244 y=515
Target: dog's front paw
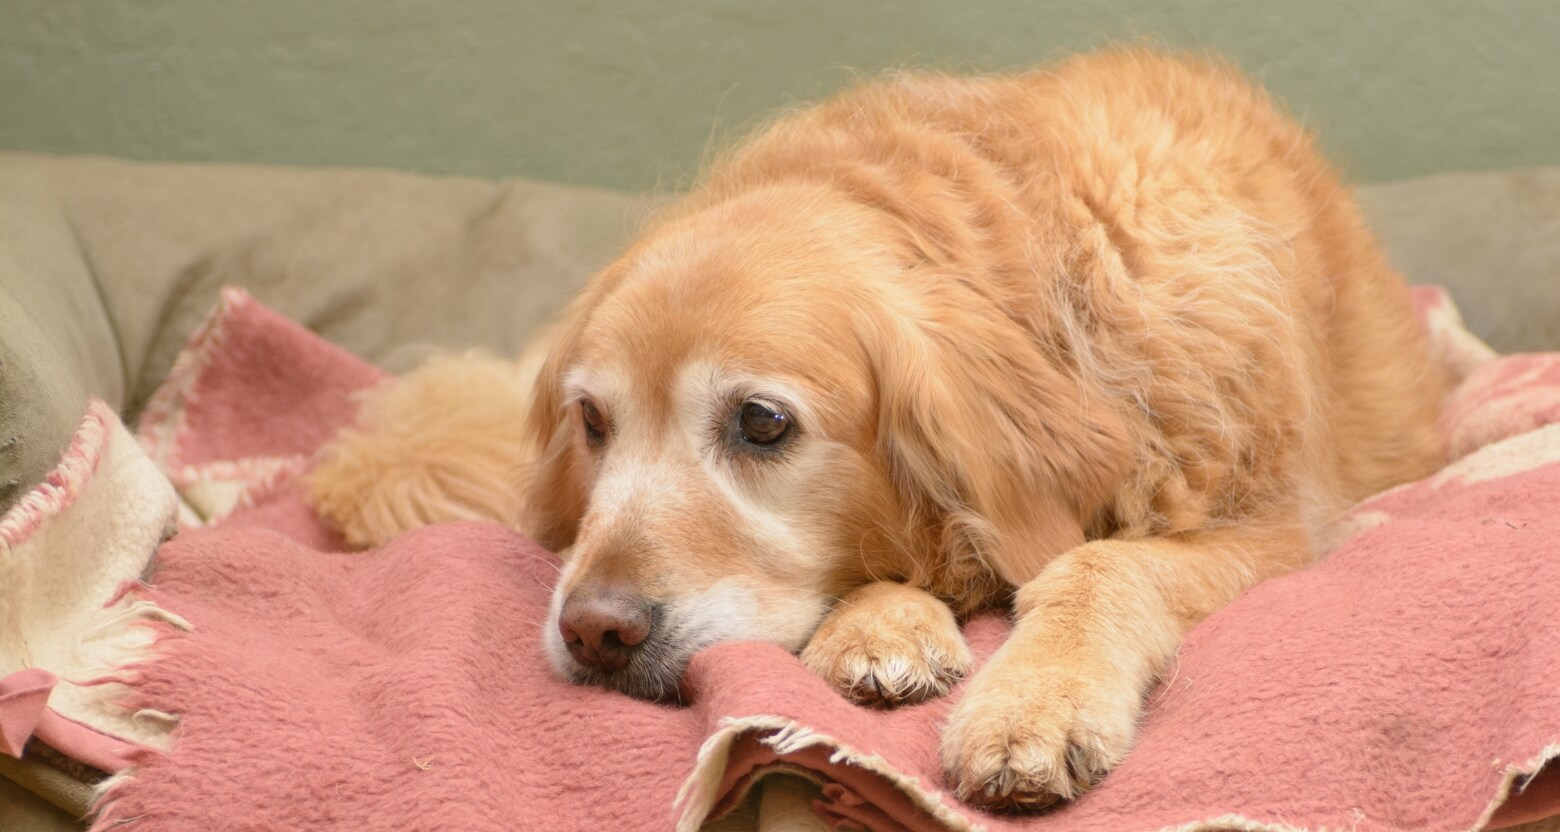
x=889 y=644
x=1023 y=738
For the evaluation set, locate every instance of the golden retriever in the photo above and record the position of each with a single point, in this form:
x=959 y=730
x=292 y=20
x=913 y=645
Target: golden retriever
x=1107 y=342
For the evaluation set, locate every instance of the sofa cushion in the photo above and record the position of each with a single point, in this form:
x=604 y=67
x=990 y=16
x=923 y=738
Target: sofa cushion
x=57 y=345
x=106 y=266
x=386 y=264
x=1492 y=239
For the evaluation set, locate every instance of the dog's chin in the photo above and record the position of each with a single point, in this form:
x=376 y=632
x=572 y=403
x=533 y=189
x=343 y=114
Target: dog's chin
x=652 y=674
x=719 y=615
x=650 y=687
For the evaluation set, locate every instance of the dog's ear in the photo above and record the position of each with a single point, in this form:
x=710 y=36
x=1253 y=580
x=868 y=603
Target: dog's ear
x=554 y=488
x=986 y=435
x=557 y=486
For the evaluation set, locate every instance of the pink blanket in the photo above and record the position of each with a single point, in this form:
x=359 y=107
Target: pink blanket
x=1412 y=680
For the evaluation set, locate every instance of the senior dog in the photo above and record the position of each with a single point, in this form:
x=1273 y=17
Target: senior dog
x=1107 y=342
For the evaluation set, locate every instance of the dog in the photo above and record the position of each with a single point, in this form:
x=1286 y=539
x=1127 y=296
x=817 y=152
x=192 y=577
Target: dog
x=1105 y=343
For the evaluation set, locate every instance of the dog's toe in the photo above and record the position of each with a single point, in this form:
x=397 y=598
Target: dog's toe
x=1025 y=743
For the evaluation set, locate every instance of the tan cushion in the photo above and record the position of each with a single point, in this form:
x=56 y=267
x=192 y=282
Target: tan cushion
x=1492 y=239
x=375 y=260
x=106 y=265
x=25 y=811
x=56 y=342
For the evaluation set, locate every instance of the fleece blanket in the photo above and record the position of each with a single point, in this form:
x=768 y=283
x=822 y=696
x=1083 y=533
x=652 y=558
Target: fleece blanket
x=1411 y=680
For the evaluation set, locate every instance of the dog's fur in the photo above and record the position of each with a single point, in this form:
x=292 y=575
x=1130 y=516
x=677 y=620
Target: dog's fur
x=1107 y=341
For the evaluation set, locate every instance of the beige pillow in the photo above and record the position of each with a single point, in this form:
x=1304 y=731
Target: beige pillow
x=56 y=342
x=106 y=265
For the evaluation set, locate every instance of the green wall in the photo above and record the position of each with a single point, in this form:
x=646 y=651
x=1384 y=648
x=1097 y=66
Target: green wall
x=630 y=94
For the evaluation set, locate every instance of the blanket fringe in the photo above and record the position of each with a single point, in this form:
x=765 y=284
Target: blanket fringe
x=1241 y=823
x=68 y=604
x=1510 y=776
x=698 y=793
x=154 y=720
x=61 y=485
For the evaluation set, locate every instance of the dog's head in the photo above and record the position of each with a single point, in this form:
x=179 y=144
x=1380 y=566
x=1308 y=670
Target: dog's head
x=771 y=400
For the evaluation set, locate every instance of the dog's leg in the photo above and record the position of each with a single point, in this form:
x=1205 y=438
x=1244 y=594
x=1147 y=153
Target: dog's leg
x=1056 y=706
x=889 y=644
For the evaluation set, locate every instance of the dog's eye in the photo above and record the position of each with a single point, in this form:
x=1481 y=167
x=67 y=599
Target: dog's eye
x=595 y=422
x=763 y=425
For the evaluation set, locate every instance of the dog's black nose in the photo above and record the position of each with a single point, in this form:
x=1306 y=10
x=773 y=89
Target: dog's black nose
x=604 y=628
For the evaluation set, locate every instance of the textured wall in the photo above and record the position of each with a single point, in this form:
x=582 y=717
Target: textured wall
x=630 y=93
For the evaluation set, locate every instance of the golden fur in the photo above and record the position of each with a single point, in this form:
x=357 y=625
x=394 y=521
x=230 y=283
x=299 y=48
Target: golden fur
x=1107 y=340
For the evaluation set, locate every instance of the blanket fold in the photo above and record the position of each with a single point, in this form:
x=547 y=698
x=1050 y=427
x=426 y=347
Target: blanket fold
x=67 y=630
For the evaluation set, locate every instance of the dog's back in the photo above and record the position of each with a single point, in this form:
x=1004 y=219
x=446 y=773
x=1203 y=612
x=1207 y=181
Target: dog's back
x=1180 y=244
